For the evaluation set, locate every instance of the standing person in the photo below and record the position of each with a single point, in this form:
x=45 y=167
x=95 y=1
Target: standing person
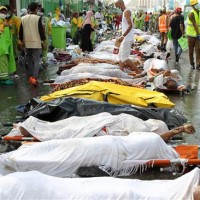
x=6 y=49
x=14 y=23
x=33 y=35
x=87 y=28
x=47 y=28
x=163 y=28
x=177 y=31
x=127 y=37
x=74 y=23
x=151 y=22
x=193 y=33
x=79 y=26
x=146 y=22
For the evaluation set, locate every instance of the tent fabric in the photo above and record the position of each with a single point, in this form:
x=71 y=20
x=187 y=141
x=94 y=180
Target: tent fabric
x=117 y=95
x=63 y=108
x=88 y=126
x=17 y=186
x=116 y=155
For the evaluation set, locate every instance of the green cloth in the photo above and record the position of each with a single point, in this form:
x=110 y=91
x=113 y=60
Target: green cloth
x=3 y=67
x=7 y=60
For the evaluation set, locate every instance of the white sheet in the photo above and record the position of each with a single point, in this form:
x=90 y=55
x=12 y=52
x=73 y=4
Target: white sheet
x=65 y=78
x=121 y=155
x=34 y=185
x=88 y=126
x=99 y=69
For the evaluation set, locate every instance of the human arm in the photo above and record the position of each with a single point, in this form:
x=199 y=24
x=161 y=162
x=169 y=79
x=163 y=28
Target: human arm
x=41 y=30
x=188 y=128
x=182 y=25
x=21 y=33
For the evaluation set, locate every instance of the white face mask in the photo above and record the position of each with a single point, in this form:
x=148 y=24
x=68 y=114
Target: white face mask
x=197 y=6
x=2 y=16
x=8 y=15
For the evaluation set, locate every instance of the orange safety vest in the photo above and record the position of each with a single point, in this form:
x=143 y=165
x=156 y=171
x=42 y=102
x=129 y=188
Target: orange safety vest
x=163 y=23
x=146 y=18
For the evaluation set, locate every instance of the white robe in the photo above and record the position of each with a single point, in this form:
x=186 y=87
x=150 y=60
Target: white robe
x=35 y=186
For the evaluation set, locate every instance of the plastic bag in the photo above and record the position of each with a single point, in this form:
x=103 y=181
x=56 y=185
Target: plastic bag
x=183 y=43
x=169 y=34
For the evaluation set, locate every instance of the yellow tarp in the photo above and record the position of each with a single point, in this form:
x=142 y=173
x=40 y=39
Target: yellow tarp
x=116 y=94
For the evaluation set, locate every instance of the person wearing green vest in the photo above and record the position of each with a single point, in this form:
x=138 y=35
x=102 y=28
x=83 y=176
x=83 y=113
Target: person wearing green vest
x=193 y=33
x=7 y=60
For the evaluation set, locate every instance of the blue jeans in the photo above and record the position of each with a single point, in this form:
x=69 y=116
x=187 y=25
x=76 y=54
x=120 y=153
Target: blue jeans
x=177 y=47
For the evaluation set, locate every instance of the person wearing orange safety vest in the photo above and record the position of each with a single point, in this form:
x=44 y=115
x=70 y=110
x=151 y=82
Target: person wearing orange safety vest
x=163 y=28
x=193 y=33
x=146 y=22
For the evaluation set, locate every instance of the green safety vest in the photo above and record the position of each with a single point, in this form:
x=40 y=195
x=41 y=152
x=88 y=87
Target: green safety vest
x=190 y=31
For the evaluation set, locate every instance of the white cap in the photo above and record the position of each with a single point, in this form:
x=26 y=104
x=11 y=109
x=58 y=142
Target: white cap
x=23 y=11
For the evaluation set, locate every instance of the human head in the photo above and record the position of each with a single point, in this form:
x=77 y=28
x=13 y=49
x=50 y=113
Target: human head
x=23 y=12
x=33 y=7
x=41 y=12
x=89 y=14
x=120 y=4
x=195 y=4
x=57 y=11
x=178 y=10
x=3 y=12
x=9 y=11
x=80 y=14
x=171 y=84
x=75 y=14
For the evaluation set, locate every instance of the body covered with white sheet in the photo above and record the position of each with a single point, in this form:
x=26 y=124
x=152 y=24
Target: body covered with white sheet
x=117 y=155
x=34 y=185
x=89 y=126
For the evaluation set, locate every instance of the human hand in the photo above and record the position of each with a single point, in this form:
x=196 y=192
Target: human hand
x=121 y=38
x=189 y=128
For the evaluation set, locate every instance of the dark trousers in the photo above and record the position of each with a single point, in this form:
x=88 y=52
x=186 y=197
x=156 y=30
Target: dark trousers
x=33 y=60
x=193 y=45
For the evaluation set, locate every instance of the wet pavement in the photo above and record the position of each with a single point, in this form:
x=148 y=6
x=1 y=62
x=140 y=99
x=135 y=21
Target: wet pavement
x=21 y=92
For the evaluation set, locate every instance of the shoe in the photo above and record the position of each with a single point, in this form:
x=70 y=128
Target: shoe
x=16 y=76
x=33 y=81
x=6 y=82
x=192 y=66
x=177 y=59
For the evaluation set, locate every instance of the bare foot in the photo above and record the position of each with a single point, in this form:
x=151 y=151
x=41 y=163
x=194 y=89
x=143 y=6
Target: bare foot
x=189 y=128
x=24 y=132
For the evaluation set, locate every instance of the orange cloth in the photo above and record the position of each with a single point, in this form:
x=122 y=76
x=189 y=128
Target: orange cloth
x=163 y=23
x=187 y=151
